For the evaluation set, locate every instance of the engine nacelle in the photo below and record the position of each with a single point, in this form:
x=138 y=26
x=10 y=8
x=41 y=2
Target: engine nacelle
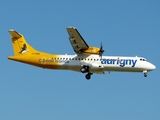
x=92 y=50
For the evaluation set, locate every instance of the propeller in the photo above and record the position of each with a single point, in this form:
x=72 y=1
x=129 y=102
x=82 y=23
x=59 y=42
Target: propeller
x=101 y=51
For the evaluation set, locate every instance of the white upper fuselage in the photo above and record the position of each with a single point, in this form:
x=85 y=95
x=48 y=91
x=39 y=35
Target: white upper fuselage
x=106 y=63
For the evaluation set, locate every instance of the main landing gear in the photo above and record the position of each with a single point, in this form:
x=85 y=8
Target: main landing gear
x=88 y=76
x=85 y=69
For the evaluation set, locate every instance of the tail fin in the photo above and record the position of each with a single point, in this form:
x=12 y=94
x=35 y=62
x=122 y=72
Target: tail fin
x=20 y=46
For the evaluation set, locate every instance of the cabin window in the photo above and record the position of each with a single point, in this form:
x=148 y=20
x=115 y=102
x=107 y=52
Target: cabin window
x=72 y=58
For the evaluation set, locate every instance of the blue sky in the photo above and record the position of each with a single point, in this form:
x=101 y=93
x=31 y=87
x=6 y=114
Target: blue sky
x=126 y=28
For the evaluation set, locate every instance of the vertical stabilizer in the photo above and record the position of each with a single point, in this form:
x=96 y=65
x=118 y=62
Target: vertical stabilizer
x=20 y=46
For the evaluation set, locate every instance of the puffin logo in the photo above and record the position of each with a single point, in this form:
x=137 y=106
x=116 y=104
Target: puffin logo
x=23 y=49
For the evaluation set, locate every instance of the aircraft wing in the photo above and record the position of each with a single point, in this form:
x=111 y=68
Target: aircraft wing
x=76 y=40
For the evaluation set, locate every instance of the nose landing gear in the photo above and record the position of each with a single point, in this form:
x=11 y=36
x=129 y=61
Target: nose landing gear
x=145 y=73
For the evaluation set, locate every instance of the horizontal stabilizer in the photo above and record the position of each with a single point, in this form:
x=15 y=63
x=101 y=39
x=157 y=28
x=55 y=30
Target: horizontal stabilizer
x=14 y=34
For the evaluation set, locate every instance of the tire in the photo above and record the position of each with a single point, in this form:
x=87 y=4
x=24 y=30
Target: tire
x=83 y=70
x=145 y=75
x=88 y=76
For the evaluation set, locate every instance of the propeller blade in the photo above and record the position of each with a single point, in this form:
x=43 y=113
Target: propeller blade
x=101 y=51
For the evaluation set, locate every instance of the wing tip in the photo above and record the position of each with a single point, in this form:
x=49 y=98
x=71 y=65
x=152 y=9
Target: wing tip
x=71 y=27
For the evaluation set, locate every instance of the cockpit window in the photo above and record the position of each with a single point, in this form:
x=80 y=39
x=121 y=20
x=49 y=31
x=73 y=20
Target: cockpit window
x=142 y=59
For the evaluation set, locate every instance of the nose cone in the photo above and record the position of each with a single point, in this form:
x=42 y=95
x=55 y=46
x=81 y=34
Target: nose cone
x=152 y=67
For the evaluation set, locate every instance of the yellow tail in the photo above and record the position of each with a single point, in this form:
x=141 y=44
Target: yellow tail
x=20 y=46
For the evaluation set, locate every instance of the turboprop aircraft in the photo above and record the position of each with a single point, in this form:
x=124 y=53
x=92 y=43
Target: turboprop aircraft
x=87 y=59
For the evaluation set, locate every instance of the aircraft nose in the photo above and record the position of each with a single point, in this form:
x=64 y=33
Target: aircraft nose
x=152 y=66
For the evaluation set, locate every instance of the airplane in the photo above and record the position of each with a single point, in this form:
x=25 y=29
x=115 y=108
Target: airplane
x=87 y=59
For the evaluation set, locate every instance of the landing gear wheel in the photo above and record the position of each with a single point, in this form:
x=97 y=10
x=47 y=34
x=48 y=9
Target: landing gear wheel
x=84 y=69
x=145 y=74
x=88 y=76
